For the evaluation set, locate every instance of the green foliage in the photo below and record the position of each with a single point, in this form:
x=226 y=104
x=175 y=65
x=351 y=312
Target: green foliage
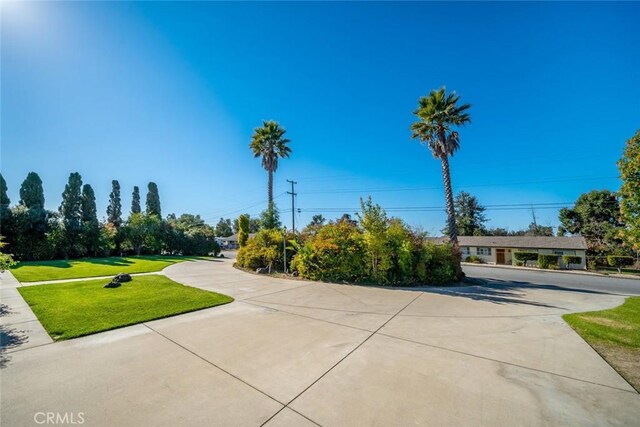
x=263 y=250
x=135 y=200
x=5 y=212
x=153 y=200
x=547 y=261
x=114 y=209
x=523 y=257
x=6 y=260
x=270 y=218
x=470 y=216
x=571 y=259
x=629 y=166
x=224 y=228
x=314 y=225
x=373 y=221
x=269 y=143
x=189 y=235
x=90 y=234
x=595 y=216
x=142 y=233
x=31 y=192
x=71 y=211
x=620 y=261
x=474 y=259
x=244 y=224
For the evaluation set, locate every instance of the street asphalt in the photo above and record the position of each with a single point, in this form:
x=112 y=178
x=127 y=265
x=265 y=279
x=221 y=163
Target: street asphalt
x=291 y=353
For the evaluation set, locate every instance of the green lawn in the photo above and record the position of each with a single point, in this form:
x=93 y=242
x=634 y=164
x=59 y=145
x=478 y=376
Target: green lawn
x=615 y=334
x=34 y=271
x=73 y=309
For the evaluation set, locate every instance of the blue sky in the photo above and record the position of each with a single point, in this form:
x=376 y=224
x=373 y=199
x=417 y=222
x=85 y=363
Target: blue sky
x=171 y=92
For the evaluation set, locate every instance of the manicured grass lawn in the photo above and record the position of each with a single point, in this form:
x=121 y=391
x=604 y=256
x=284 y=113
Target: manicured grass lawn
x=615 y=334
x=73 y=309
x=34 y=271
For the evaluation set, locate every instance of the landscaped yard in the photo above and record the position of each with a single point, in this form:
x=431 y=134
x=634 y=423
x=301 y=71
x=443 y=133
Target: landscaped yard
x=73 y=309
x=34 y=271
x=615 y=335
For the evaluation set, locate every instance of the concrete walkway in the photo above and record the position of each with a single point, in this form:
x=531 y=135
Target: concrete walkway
x=300 y=353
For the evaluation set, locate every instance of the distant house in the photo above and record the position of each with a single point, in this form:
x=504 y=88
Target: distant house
x=500 y=249
x=230 y=242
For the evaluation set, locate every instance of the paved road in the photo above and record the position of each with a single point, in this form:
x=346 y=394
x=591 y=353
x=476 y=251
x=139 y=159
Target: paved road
x=299 y=353
x=500 y=276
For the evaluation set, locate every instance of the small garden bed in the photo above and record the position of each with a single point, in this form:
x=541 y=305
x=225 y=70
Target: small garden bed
x=74 y=309
x=615 y=335
x=34 y=271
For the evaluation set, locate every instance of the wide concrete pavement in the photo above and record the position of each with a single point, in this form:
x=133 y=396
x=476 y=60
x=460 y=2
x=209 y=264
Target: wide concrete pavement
x=300 y=353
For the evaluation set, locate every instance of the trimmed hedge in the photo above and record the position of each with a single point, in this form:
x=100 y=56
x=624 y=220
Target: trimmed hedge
x=571 y=259
x=474 y=259
x=547 y=261
x=523 y=257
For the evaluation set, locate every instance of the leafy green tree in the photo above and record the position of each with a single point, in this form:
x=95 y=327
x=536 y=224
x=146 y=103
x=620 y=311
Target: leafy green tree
x=6 y=260
x=90 y=224
x=190 y=235
x=244 y=224
x=135 y=200
x=142 y=233
x=153 y=200
x=31 y=192
x=269 y=143
x=595 y=215
x=270 y=218
x=71 y=211
x=629 y=166
x=317 y=221
x=470 y=216
x=114 y=209
x=373 y=220
x=224 y=228
x=438 y=113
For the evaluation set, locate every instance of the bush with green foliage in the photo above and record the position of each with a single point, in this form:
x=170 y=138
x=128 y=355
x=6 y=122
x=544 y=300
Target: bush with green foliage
x=523 y=257
x=571 y=259
x=619 y=261
x=263 y=250
x=474 y=259
x=244 y=225
x=547 y=261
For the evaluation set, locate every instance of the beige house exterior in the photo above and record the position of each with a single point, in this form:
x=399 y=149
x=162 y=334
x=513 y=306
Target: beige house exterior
x=500 y=249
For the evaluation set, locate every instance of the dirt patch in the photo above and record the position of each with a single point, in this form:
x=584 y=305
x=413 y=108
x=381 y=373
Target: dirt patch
x=607 y=322
x=624 y=360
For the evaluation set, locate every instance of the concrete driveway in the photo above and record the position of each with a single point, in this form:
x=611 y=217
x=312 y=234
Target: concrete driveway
x=300 y=353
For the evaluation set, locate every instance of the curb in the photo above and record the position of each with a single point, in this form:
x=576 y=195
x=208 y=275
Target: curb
x=575 y=272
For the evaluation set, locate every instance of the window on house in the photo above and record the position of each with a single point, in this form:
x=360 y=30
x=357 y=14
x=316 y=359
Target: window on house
x=465 y=250
x=558 y=252
x=484 y=251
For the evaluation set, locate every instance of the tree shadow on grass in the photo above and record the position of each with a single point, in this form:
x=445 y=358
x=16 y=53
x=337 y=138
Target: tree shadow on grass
x=10 y=337
x=115 y=261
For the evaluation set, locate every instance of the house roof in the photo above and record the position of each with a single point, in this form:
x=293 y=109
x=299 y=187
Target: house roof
x=520 y=242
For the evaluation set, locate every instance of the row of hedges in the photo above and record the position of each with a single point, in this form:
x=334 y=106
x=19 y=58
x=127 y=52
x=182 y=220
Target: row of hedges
x=343 y=251
x=544 y=260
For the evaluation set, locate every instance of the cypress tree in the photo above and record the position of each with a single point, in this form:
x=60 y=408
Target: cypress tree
x=4 y=197
x=31 y=192
x=114 y=210
x=90 y=225
x=153 y=200
x=135 y=200
x=5 y=212
x=71 y=211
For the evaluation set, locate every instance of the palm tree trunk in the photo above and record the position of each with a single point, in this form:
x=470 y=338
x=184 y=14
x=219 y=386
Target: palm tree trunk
x=451 y=215
x=270 y=189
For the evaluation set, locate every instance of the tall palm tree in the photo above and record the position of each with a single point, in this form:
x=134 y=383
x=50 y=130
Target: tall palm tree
x=438 y=114
x=268 y=141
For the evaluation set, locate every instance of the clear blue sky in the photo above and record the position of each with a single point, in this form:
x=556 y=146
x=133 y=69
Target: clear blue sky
x=171 y=92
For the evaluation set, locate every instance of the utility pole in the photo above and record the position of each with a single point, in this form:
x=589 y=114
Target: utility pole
x=293 y=202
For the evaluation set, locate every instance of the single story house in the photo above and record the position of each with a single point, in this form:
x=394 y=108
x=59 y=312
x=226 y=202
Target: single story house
x=230 y=242
x=500 y=249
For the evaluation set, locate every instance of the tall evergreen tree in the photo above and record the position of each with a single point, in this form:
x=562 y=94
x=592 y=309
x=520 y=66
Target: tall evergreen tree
x=90 y=225
x=31 y=192
x=5 y=212
x=153 y=200
x=470 y=216
x=114 y=210
x=135 y=200
x=71 y=211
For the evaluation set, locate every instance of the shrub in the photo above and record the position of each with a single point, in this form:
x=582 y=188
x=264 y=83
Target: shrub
x=473 y=258
x=571 y=259
x=547 y=261
x=620 y=261
x=523 y=257
x=262 y=250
